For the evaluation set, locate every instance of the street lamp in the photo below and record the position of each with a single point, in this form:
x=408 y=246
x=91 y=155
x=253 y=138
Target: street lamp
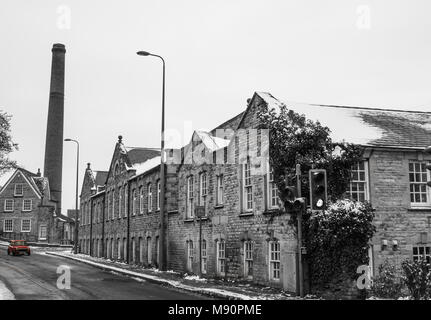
x=75 y=250
x=162 y=169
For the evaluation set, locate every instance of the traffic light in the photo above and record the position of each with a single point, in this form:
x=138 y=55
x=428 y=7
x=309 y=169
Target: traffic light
x=428 y=166
x=318 y=189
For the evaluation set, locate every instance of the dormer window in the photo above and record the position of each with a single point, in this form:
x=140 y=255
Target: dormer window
x=18 y=190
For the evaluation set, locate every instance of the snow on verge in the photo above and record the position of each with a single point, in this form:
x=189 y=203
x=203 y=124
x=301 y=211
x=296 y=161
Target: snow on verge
x=5 y=293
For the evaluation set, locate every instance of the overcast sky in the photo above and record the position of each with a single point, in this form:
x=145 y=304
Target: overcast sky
x=343 y=52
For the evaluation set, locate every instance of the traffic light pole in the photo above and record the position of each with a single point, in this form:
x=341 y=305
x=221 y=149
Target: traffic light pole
x=300 y=271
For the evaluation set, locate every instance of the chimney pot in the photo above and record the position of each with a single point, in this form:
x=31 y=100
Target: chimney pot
x=120 y=138
x=59 y=47
x=38 y=172
x=88 y=165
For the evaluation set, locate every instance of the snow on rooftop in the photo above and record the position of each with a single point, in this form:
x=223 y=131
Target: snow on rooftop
x=146 y=165
x=211 y=142
x=345 y=123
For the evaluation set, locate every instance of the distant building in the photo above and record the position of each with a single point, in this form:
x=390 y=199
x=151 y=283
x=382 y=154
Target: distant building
x=28 y=212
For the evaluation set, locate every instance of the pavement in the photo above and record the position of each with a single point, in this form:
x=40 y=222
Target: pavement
x=35 y=277
x=232 y=290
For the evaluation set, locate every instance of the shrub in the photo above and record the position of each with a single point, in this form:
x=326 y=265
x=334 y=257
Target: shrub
x=387 y=284
x=417 y=277
x=337 y=240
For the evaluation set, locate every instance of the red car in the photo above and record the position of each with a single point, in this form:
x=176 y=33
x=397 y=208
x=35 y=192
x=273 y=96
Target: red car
x=18 y=247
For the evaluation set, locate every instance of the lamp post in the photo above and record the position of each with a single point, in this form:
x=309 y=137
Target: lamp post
x=162 y=263
x=75 y=250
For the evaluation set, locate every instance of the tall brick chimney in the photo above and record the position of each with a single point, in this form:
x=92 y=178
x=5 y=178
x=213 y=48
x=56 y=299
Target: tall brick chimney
x=54 y=131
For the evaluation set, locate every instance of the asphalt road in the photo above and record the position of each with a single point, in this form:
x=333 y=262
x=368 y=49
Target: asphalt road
x=35 y=277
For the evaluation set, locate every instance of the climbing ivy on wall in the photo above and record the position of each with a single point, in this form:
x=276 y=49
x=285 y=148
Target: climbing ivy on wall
x=336 y=239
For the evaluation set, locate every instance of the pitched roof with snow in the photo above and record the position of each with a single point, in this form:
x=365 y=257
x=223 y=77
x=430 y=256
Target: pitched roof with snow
x=136 y=155
x=365 y=126
x=211 y=142
x=147 y=165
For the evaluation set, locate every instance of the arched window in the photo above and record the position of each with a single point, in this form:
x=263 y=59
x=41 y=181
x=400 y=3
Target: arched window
x=149 y=253
x=126 y=200
x=141 y=250
x=221 y=257
x=119 y=249
x=158 y=194
x=204 y=256
x=189 y=204
x=141 y=200
x=190 y=255
x=203 y=190
x=150 y=197
x=133 y=250
x=134 y=202
x=248 y=259
x=113 y=204
x=157 y=250
x=247 y=187
x=120 y=199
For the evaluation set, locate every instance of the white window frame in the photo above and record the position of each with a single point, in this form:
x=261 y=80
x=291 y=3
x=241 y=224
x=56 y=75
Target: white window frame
x=272 y=189
x=247 y=187
x=134 y=202
x=22 y=225
x=126 y=199
x=359 y=181
x=190 y=255
x=40 y=232
x=150 y=197
x=119 y=248
x=274 y=263
x=220 y=190
x=4 y=225
x=204 y=256
x=141 y=199
x=6 y=206
x=23 y=205
x=157 y=249
x=221 y=257
x=427 y=189
x=203 y=188
x=189 y=197
x=248 y=259
x=15 y=189
x=158 y=194
x=149 y=251
x=120 y=199
x=424 y=255
x=113 y=204
x=108 y=197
